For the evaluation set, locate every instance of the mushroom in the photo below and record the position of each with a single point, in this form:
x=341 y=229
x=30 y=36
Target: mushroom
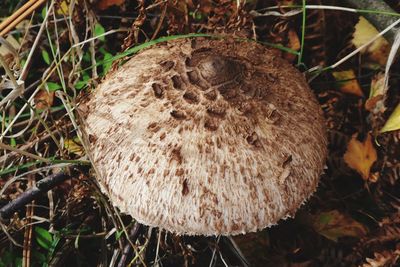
x=206 y=137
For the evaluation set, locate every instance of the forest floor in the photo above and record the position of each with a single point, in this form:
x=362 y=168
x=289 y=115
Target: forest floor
x=62 y=49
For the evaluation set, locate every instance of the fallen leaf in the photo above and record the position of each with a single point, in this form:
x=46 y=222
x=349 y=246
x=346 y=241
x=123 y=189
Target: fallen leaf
x=11 y=41
x=393 y=123
x=383 y=258
x=360 y=156
x=63 y=7
x=376 y=93
x=333 y=225
x=348 y=82
x=104 y=4
x=294 y=44
x=44 y=99
x=73 y=146
x=379 y=50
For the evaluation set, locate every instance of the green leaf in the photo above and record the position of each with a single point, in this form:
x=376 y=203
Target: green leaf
x=99 y=30
x=39 y=257
x=79 y=85
x=333 y=225
x=118 y=234
x=82 y=83
x=18 y=262
x=44 y=12
x=43 y=237
x=107 y=63
x=8 y=258
x=76 y=242
x=53 y=86
x=46 y=57
x=393 y=123
x=13 y=142
x=56 y=240
x=86 y=57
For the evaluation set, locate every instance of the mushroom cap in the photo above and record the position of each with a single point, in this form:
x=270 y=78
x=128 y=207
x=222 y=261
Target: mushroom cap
x=206 y=137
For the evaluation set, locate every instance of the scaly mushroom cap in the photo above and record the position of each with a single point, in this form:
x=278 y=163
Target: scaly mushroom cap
x=206 y=137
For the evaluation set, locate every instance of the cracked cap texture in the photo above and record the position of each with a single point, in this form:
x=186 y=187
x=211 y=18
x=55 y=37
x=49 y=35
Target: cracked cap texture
x=206 y=137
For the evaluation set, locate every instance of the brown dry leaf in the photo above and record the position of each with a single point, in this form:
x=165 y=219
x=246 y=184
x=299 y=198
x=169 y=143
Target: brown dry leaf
x=384 y=258
x=11 y=41
x=348 y=82
x=333 y=225
x=104 y=4
x=44 y=99
x=376 y=92
x=294 y=44
x=360 y=156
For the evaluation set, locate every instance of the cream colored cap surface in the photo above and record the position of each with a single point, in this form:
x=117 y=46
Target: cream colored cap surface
x=206 y=137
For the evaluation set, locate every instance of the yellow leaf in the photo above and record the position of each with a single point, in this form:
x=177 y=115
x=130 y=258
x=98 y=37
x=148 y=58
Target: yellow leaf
x=63 y=8
x=73 y=146
x=333 y=225
x=378 y=51
x=347 y=82
x=361 y=155
x=393 y=123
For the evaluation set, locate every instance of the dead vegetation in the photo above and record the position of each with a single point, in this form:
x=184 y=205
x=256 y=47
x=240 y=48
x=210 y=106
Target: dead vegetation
x=62 y=49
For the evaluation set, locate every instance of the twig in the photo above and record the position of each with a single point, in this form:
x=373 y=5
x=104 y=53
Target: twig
x=235 y=248
x=213 y=259
x=127 y=249
x=16 y=14
x=24 y=71
x=17 y=86
x=11 y=23
x=318 y=69
x=41 y=187
x=22 y=152
x=157 y=257
x=26 y=254
x=160 y=22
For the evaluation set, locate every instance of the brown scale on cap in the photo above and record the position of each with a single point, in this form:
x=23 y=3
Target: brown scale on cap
x=206 y=137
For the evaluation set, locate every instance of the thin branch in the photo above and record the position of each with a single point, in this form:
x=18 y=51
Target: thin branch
x=14 y=22
x=22 y=152
x=16 y=14
x=41 y=187
x=24 y=71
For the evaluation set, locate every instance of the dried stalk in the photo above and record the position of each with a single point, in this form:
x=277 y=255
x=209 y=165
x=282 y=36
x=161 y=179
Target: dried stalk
x=19 y=15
